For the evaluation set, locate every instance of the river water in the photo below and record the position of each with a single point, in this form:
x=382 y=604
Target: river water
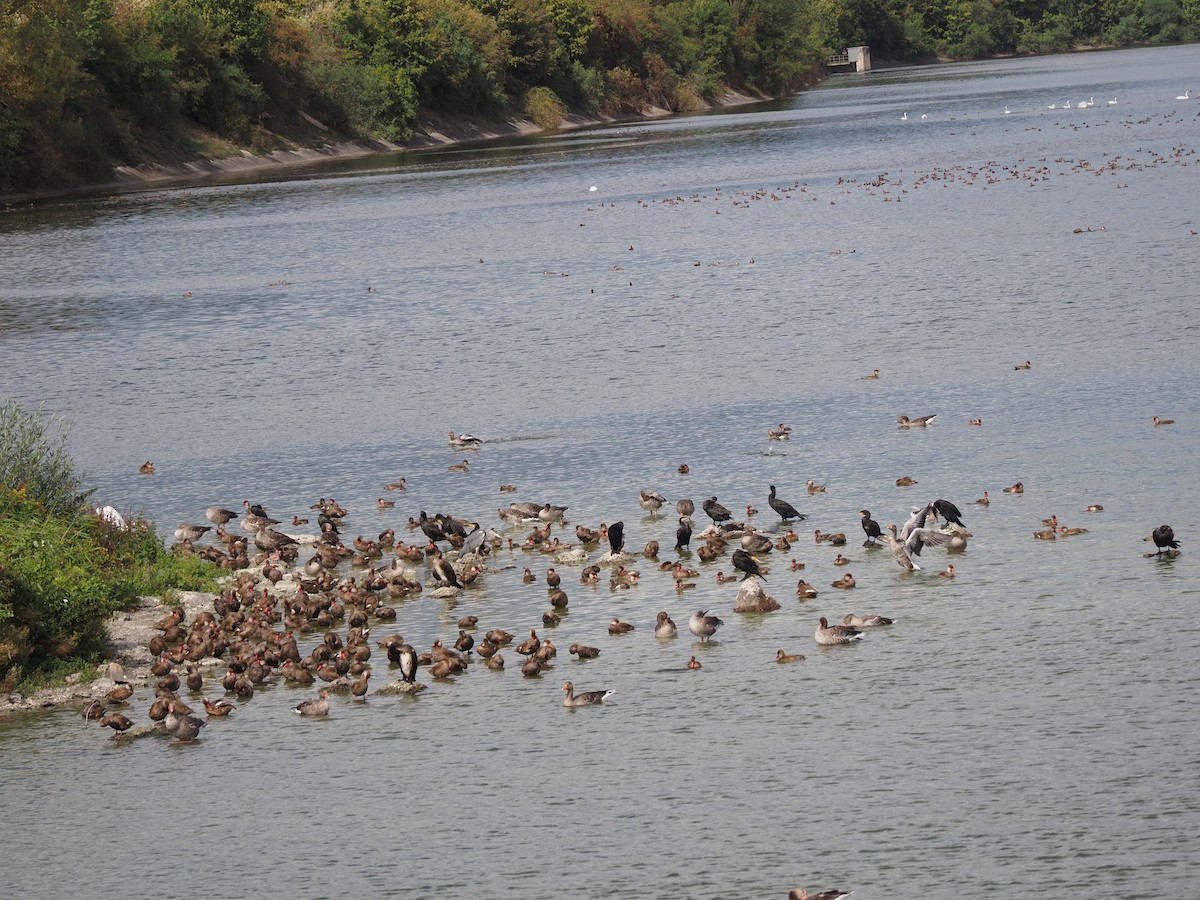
x=1026 y=727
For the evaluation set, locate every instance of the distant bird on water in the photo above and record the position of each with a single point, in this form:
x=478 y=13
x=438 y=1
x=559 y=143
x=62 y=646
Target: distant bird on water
x=587 y=698
x=832 y=635
x=801 y=894
x=918 y=422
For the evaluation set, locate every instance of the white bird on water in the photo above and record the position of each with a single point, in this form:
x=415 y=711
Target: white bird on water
x=1187 y=95
x=1007 y=111
x=904 y=118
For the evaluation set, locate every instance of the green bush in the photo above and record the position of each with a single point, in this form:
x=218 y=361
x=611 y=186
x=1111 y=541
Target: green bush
x=543 y=108
x=64 y=571
x=34 y=461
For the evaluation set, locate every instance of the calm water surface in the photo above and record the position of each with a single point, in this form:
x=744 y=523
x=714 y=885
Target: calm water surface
x=1027 y=727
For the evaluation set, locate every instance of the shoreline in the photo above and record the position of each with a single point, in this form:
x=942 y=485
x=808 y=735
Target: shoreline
x=436 y=132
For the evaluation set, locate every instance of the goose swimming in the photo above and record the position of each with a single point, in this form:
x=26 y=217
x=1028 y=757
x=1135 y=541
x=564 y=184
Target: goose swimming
x=832 y=635
x=588 y=698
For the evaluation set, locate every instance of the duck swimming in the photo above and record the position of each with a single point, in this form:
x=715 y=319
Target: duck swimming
x=831 y=635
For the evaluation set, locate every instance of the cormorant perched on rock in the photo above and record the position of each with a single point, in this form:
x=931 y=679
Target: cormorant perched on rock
x=716 y=511
x=948 y=511
x=407 y=658
x=683 y=534
x=786 y=510
x=1164 y=538
x=744 y=562
x=616 y=537
x=869 y=526
x=443 y=571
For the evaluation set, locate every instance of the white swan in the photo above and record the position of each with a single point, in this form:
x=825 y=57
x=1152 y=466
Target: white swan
x=1067 y=105
x=904 y=118
x=1187 y=95
x=1112 y=102
x=924 y=117
x=1007 y=111
x=1052 y=106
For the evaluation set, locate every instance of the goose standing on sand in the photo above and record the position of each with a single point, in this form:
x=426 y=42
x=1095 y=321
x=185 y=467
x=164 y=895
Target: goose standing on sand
x=716 y=511
x=587 y=698
x=704 y=626
x=832 y=635
x=786 y=510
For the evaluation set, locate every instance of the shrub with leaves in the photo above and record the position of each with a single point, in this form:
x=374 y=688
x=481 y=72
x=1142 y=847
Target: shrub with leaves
x=34 y=460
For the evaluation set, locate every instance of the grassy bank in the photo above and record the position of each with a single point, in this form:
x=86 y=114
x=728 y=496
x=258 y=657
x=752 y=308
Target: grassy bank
x=63 y=569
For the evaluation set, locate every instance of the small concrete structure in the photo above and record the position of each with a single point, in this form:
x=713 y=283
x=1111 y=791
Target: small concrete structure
x=858 y=57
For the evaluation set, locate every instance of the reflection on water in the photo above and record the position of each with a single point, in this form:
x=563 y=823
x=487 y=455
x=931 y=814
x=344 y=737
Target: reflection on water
x=318 y=335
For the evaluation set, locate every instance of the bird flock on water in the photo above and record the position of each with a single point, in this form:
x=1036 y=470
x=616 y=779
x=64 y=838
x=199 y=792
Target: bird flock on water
x=329 y=592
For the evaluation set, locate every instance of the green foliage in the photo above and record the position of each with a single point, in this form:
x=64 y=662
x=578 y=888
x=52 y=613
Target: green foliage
x=86 y=84
x=34 y=462
x=543 y=108
x=63 y=575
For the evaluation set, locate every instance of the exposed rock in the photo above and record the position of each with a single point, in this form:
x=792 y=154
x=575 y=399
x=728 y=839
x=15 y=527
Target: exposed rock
x=752 y=598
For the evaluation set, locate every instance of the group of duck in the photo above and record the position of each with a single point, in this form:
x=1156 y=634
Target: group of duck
x=274 y=596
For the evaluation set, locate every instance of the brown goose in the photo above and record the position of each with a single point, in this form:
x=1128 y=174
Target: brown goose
x=868 y=621
x=183 y=727
x=665 y=628
x=588 y=698
x=831 y=635
x=704 y=626
x=915 y=422
x=219 y=515
x=318 y=706
x=801 y=894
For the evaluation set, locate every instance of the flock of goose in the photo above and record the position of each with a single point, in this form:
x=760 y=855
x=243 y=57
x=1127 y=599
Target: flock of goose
x=275 y=599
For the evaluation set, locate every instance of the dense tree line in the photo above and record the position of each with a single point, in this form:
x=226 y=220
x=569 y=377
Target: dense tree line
x=86 y=83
